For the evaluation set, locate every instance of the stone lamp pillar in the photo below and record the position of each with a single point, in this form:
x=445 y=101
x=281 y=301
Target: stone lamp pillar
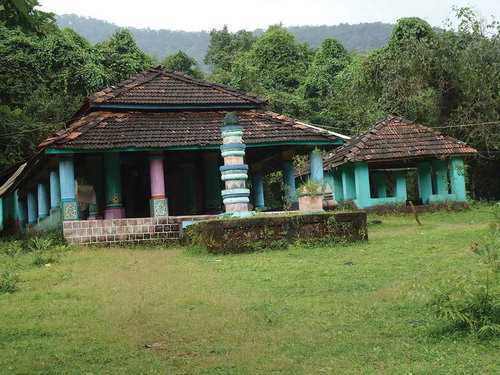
x=234 y=172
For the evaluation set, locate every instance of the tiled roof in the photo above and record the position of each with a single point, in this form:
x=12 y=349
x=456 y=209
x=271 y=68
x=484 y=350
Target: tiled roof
x=397 y=138
x=164 y=87
x=102 y=130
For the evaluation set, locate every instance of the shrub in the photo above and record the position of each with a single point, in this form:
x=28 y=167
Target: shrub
x=9 y=278
x=9 y=275
x=44 y=250
x=472 y=301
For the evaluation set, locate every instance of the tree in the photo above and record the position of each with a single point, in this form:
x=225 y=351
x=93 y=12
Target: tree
x=274 y=67
x=224 y=50
x=47 y=76
x=22 y=14
x=121 y=57
x=19 y=136
x=183 y=63
x=329 y=60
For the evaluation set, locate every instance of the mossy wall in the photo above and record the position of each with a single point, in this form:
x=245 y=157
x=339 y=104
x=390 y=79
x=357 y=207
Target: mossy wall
x=244 y=235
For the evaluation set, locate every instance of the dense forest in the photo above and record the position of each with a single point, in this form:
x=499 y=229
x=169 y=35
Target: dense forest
x=446 y=79
x=161 y=43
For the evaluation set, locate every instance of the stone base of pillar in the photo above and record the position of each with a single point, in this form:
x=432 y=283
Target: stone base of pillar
x=158 y=207
x=237 y=214
x=236 y=207
x=260 y=208
x=70 y=210
x=114 y=213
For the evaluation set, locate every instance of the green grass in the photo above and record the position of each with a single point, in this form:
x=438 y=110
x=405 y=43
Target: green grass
x=299 y=311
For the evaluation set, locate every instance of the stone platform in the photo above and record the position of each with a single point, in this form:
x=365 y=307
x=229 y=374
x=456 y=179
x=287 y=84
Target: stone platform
x=275 y=231
x=137 y=230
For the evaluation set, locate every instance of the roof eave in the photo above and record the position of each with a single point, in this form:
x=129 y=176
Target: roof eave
x=55 y=150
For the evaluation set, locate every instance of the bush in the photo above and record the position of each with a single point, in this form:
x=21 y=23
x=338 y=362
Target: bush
x=9 y=275
x=472 y=301
x=9 y=278
x=44 y=250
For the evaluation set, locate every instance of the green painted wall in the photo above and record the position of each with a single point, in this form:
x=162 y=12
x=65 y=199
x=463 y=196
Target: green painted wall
x=457 y=178
x=362 y=180
x=424 y=181
x=338 y=189
x=400 y=184
x=348 y=182
x=50 y=222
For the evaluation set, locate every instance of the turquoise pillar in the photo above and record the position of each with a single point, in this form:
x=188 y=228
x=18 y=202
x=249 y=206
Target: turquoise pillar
x=32 y=207
x=380 y=185
x=457 y=178
x=113 y=176
x=348 y=182
x=16 y=205
x=55 y=190
x=441 y=176
x=43 y=200
x=213 y=198
x=258 y=190
x=400 y=184
x=316 y=163
x=424 y=181
x=95 y=171
x=328 y=177
x=188 y=189
x=338 y=189
x=69 y=204
x=289 y=183
x=362 y=181
x=23 y=212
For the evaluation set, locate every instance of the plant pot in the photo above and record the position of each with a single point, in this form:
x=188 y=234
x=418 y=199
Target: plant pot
x=310 y=201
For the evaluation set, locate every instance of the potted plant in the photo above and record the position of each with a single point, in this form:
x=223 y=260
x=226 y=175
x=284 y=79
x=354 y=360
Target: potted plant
x=310 y=196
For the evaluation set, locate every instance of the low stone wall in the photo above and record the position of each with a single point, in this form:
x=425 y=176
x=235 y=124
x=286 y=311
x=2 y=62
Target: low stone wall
x=249 y=234
x=140 y=230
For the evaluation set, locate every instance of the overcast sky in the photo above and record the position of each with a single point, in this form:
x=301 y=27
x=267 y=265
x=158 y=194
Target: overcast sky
x=196 y=15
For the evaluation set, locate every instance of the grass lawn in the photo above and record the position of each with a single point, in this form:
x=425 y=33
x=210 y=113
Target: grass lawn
x=299 y=311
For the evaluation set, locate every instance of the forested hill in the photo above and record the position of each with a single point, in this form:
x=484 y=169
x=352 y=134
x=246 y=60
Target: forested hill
x=161 y=43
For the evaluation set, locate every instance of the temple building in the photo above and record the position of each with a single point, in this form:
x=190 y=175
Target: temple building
x=149 y=148
x=397 y=161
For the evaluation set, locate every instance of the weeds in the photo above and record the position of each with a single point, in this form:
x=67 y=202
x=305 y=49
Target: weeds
x=9 y=275
x=472 y=301
x=9 y=278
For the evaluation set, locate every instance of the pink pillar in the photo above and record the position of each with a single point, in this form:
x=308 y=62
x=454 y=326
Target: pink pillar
x=157 y=178
x=158 y=202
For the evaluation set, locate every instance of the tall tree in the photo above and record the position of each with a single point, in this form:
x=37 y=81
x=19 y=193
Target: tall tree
x=274 y=67
x=121 y=56
x=22 y=14
x=183 y=63
x=224 y=49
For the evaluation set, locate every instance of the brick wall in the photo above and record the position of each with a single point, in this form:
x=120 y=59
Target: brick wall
x=108 y=232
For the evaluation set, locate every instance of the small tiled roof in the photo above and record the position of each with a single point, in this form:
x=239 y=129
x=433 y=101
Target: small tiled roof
x=164 y=87
x=397 y=138
x=102 y=130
